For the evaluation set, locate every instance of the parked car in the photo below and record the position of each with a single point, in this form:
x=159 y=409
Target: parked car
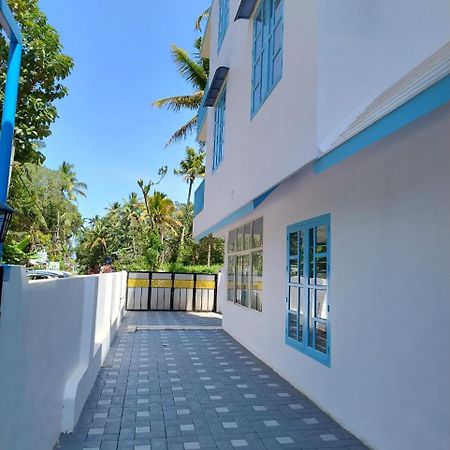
x=46 y=274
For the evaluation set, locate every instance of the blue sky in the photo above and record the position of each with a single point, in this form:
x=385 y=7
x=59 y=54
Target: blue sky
x=107 y=126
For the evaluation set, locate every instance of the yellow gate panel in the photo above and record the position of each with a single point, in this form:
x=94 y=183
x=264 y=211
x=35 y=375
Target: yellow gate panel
x=138 y=283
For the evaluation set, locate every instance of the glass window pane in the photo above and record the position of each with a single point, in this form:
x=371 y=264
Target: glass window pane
x=247 y=236
x=245 y=295
x=293 y=271
x=311 y=256
x=232 y=241
x=278 y=9
x=231 y=278
x=257 y=268
x=238 y=279
x=321 y=271
x=321 y=304
x=258 y=233
x=293 y=244
x=301 y=303
x=292 y=325
x=302 y=256
x=311 y=302
x=277 y=67
x=293 y=298
x=321 y=337
x=321 y=239
x=277 y=37
x=240 y=239
x=258 y=22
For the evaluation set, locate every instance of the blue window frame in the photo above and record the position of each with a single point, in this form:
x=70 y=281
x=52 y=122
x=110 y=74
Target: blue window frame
x=267 y=50
x=219 y=128
x=224 y=10
x=308 y=277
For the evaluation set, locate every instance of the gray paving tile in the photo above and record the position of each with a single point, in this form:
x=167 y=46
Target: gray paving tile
x=195 y=389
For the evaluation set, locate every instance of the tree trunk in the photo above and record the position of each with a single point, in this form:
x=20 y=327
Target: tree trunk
x=191 y=183
x=181 y=246
x=209 y=249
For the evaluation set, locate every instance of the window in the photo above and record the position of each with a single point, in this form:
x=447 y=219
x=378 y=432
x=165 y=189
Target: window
x=308 y=274
x=224 y=6
x=245 y=265
x=219 y=124
x=267 y=50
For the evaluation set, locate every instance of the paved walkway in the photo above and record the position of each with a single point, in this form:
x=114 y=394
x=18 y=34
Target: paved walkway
x=196 y=389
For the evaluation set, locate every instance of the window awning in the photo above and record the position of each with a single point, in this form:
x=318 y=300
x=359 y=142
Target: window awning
x=245 y=9
x=216 y=86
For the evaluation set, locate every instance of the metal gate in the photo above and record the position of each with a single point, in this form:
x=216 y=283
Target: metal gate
x=169 y=291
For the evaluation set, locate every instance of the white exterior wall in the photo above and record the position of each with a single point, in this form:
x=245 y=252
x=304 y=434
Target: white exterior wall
x=280 y=127
x=51 y=339
x=338 y=57
x=389 y=288
x=364 y=47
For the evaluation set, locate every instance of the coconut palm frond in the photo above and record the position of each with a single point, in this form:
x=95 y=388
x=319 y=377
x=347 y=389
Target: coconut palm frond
x=192 y=71
x=201 y=17
x=183 y=131
x=179 y=102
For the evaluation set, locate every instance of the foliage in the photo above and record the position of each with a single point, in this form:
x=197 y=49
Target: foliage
x=46 y=218
x=204 y=15
x=191 y=168
x=195 y=70
x=180 y=268
x=44 y=67
x=147 y=232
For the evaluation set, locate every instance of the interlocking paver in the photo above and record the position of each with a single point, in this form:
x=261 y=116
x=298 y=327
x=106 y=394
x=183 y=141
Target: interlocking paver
x=195 y=389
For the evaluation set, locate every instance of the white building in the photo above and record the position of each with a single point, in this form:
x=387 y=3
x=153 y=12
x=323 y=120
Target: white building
x=328 y=135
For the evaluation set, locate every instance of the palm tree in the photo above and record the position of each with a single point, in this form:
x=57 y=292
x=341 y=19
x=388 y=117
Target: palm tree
x=161 y=213
x=195 y=71
x=132 y=208
x=98 y=235
x=133 y=214
x=191 y=168
x=71 y=187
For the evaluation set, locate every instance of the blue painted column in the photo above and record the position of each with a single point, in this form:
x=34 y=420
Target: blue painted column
x=9 y=115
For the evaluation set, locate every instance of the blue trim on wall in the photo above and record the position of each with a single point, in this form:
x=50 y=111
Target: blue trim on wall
x=236 y=215
x=430 y=99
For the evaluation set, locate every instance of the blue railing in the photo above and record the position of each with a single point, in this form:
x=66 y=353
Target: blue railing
x=199 y=198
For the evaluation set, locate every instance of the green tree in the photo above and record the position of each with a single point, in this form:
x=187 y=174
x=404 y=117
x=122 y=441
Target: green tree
x=45 y=217
x=191 y=168
x=195 y=71
x=44 y=67
x=71 y=187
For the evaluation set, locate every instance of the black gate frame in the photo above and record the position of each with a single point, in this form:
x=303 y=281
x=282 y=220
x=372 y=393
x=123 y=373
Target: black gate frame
x=172 y=290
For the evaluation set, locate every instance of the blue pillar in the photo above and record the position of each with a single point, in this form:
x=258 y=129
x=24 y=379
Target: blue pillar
x=9 y=115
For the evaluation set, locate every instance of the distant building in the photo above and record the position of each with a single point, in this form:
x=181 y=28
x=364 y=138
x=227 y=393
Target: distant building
x=327 y=129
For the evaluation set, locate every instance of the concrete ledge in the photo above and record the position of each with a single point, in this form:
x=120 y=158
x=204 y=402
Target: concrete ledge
x=134 y=328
